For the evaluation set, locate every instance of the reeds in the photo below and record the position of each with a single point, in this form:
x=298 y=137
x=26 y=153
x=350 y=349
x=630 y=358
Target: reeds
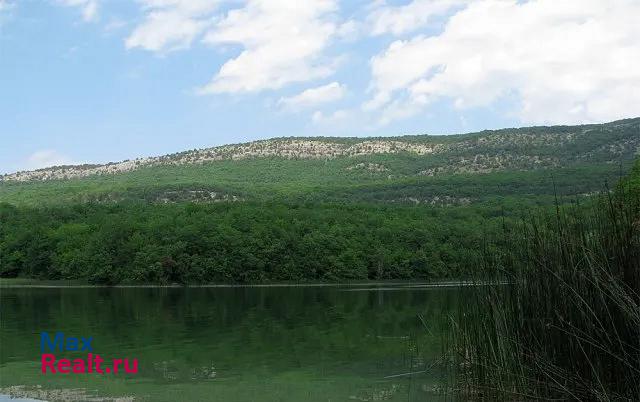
x=560 y=316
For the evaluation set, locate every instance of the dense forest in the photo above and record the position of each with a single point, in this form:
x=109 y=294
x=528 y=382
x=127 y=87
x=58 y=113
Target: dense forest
x=192 y=243
x=416 y=207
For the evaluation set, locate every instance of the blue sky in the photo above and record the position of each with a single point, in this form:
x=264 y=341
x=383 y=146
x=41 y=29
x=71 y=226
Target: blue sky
x=98 y=81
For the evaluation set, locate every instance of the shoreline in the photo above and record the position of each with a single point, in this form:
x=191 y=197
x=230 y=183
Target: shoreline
x=396 y=285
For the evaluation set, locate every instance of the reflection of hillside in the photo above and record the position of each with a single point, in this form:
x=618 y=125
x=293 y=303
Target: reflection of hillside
x=180 y=333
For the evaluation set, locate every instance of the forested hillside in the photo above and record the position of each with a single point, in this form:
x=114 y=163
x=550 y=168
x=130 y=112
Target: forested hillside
x=301 y=209
x=457 y=169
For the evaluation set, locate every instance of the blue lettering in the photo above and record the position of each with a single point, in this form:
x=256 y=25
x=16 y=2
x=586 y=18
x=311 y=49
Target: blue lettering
x=46 y=340
x=59 y=341
x=72 y=343
x=86 y=344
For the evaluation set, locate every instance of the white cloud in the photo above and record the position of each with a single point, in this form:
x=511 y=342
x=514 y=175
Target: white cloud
x=572 y=61
x=402 y=19
x=47 y=158
x=283 y=42
x=171 y=24
x=89 y=8
x=350 y=30
x=5 y=6
x=314 y=96
x=397 y=110
x=114 y=24
x=335 y=117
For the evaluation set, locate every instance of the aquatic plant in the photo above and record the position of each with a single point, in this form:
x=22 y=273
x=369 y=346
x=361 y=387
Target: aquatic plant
x=560 y=317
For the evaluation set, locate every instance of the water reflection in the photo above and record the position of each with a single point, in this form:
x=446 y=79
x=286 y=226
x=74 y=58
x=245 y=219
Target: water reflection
x=267 y=343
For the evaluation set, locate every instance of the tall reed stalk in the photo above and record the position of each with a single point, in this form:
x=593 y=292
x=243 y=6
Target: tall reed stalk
x=560 y=317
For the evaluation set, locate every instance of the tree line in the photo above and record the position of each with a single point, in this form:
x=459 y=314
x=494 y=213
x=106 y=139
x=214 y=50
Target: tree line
x=136 y=242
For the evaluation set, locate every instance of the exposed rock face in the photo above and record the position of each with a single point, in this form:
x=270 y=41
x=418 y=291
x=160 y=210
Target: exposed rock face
x=77 y=171
x=475 y=153
x=195 y=196
x=487 y=163
x=371 y=167
x=436 y=200
x=282 y=148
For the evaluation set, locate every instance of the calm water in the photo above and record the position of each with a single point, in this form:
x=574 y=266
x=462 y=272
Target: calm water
x=232 y=344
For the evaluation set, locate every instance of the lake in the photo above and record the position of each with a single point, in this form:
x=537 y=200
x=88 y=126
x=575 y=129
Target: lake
x=275 y=343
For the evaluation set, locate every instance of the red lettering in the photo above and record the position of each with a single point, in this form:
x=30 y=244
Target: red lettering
x=97 y=359
x=116 y=362
x=48 y=360
x=78 y=366
x=63 y=366
x=135 y=366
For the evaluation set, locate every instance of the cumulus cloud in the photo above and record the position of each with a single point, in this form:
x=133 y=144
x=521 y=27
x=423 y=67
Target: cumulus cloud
x=89 y=8
x=569 y=61
x=47 y=158
x=114 y=24
x=350 y=30
x=402 y=19
x=282 y=42
x=332 y=118
x=566 y=62
x=314 y=96
x=5 y=6
x=171 y=24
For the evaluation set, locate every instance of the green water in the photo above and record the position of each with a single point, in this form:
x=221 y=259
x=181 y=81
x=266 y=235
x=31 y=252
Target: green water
x=340 y=343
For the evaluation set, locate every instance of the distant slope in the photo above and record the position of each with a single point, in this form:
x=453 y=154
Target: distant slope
x=432 y=170
x=317 y=209
x=488 y=151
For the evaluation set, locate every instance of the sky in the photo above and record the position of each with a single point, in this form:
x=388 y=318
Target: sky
x=93 y=81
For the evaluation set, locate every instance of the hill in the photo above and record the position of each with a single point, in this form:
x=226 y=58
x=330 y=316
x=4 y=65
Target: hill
x=301 y=209
x=456 y=169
